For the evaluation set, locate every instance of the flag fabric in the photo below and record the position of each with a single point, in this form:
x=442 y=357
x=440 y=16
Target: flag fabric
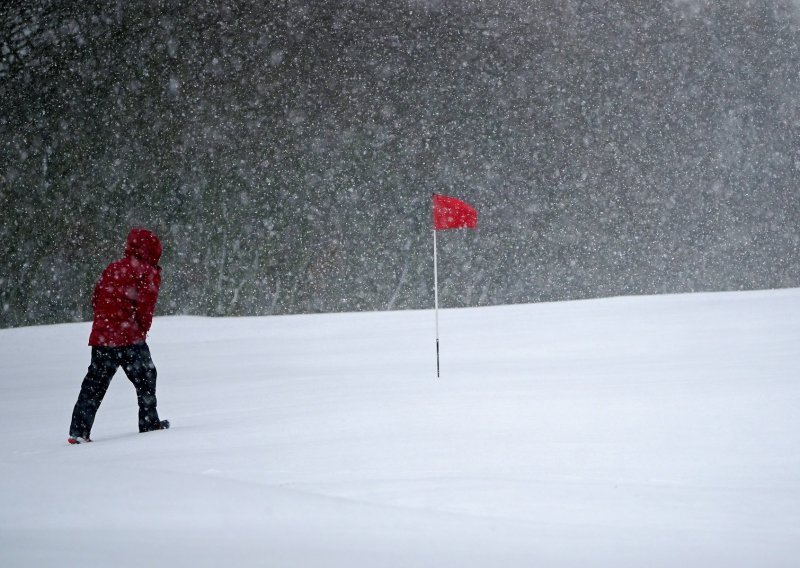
x=452 y=213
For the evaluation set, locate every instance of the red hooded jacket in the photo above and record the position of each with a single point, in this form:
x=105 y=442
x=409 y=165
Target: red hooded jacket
x=124 y=297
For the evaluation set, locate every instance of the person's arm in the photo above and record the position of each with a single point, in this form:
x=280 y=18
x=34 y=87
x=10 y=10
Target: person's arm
x=147 y=297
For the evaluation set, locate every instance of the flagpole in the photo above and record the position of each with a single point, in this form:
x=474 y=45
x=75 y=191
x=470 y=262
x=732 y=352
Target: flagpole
x=448 y=213
x=436 y=299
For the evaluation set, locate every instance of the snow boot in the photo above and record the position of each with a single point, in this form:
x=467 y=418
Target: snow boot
x=160 y=425
x=78 y=440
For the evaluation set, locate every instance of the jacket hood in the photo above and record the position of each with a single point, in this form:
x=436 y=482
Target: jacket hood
x=144 y=245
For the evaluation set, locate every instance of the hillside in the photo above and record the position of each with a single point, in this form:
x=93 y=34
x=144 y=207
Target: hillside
x=624 y=432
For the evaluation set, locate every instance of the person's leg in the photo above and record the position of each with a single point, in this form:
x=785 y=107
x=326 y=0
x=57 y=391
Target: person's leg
x=102 y=368
x=138 y=366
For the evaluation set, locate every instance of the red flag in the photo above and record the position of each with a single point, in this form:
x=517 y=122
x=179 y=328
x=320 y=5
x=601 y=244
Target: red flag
x=452 y=213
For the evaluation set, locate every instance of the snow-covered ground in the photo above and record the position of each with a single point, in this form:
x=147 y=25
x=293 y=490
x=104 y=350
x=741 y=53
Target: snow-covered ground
x=644 y=431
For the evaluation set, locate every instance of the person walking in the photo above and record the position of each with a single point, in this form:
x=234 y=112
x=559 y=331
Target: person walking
x=124 y=300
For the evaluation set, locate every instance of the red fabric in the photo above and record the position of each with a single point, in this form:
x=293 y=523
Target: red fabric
x=452 y=213
x=124 y=297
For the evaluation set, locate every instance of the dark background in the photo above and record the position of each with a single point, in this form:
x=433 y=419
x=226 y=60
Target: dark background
x=286 y=151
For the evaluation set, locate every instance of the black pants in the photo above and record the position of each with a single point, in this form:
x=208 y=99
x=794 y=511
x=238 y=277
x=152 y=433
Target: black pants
x=135 y=360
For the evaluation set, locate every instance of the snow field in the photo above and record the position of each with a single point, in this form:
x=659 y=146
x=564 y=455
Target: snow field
x=657 y=431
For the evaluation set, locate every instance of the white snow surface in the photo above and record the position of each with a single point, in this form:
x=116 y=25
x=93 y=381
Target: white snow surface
x=636 y=431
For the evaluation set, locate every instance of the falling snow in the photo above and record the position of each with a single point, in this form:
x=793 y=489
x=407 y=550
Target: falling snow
x=286 y=151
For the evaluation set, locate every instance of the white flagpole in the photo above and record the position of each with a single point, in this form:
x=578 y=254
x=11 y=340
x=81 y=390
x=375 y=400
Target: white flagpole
x=436 y=300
